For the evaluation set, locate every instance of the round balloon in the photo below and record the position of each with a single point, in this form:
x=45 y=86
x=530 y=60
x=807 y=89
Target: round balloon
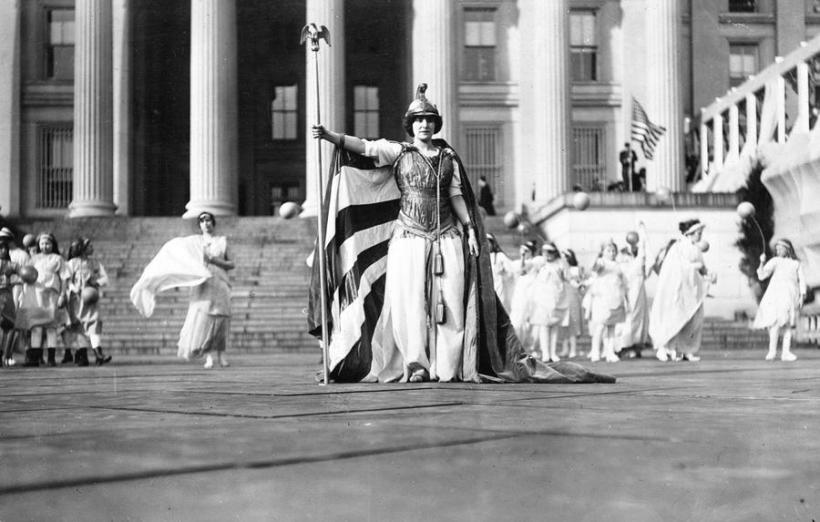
x=663 y=194
x=29 y=240
x=746 y=210
x=580 y=200
x=28 y=274
x=632 y=237
x=511 y=219
x=703 y=245
x=90 y=295
x=289 y=210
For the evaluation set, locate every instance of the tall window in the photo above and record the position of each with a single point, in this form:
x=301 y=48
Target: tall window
x=284 y=112
x=589 y=157
x=742 y=62
x=55 y=166
x=583 y=46
x=479 y=44
x=742 y=6
x=60 y=44
x=483 y=157
x=366 y=111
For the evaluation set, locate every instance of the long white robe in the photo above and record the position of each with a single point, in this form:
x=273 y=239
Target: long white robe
x=676 y=319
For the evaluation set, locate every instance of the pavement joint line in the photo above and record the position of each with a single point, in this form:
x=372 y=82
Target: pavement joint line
x=283 y=416
x=259 y=464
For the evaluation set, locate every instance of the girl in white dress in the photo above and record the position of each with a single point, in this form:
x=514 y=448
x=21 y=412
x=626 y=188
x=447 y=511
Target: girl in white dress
x=43 y=309
x=574 y=323
x=607 y=303
x=503 y=272
x=87 y=277
x=521 y=304
x=208 y=322
x=784 y=296
x=549 y=302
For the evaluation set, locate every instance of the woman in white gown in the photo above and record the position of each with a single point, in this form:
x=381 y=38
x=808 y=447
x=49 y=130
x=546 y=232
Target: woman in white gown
x=521 y=304
x=784 y=296
x=635 y=329
x=676 y=319
x=208 y=322
x=503 y=272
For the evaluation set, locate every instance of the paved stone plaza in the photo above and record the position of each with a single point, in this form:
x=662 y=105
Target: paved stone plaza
x=730 y=438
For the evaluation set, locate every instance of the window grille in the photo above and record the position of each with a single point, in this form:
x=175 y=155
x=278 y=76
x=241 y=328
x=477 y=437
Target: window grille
x=589 y=157
x=483 y=158
x=55 y=166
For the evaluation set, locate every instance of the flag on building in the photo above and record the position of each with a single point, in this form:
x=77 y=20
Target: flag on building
x=644 y=131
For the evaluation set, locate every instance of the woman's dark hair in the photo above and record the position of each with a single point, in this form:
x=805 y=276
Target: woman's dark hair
x=683 y=226
x=494 y=246
x=203 y=214
x=4 y=242
x=569 y=257
x=78 y=247
x=531 y=246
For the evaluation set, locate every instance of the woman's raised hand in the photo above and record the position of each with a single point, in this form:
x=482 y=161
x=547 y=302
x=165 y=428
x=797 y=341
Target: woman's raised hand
x=318 y=131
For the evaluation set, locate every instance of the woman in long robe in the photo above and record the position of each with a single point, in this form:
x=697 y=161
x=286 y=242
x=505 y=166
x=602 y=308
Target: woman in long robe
x=676 y=319
x=635 y=329
x=208 y=323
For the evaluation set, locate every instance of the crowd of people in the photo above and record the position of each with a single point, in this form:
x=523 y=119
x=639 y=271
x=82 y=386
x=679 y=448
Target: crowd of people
x=551 y=298
x=47 y=299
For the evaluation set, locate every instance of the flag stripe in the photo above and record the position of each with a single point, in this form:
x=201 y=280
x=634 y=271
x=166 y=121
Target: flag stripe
x=644 y=131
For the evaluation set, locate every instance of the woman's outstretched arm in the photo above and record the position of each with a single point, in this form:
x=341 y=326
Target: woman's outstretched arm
x=351 y=143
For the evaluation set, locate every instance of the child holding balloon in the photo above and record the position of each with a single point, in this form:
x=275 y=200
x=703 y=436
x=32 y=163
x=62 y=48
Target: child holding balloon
x=87 y=276
x=549 y=301
x=784 y=296
x=607 y=303
x=8 y=311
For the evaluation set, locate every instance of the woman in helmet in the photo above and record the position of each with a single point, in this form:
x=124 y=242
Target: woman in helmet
x=425 y=261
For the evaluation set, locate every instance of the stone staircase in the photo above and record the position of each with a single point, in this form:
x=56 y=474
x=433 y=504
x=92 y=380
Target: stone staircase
x=270 y=282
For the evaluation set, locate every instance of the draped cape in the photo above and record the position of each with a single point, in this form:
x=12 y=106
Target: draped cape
x=361 y=205
x=177 y=264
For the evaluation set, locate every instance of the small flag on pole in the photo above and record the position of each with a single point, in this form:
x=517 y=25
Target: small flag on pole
x=644 y=131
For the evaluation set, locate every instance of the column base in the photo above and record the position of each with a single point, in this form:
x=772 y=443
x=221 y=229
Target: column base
x=217 y=208
x=80 y=209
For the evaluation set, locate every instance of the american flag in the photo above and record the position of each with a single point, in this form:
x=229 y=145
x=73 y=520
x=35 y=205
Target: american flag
x=644 y=131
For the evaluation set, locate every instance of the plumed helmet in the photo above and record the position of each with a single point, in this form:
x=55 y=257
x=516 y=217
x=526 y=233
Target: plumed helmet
x=421 y=106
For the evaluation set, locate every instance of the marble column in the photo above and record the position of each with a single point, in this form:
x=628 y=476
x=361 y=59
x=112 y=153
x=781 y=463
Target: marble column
x=122 y=105
x=546 y=98
x=93 y=111
x=10 y=108
x=434 y=62
x=214 y=109
x=331 y=95
x=664 y=104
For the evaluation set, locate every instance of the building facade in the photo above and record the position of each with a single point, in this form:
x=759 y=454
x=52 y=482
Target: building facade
x=149 y=107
